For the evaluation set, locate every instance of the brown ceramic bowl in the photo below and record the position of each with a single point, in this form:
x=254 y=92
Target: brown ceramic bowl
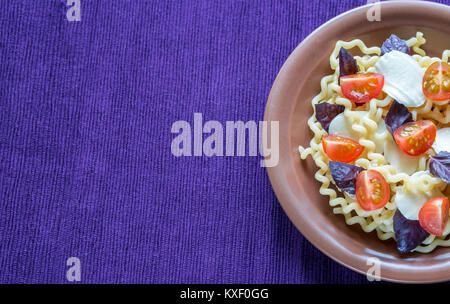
x=290 y=103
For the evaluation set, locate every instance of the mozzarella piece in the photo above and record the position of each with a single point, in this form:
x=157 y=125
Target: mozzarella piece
x=442 y=142
x=401 y=161
x=409 y=202
x=342 y=127
x=402 y=78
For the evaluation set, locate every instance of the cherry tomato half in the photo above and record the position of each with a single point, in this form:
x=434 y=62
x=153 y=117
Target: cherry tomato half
x=436 y=81
x=362 y=87
x=340 y=148
x=433 y=215
x=415 y=138
x=372 y=190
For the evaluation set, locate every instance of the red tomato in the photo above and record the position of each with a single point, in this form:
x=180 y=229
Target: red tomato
x=433 y=215
x=436 y=81
x=416 y=137
x=372 y=190
x=362 y=87
x=340 y=148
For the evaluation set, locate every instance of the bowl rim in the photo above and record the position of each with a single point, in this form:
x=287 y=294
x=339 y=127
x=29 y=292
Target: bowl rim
x=278 y=176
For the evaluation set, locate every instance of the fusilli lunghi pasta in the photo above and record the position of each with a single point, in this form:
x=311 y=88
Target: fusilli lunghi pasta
x=365 y=121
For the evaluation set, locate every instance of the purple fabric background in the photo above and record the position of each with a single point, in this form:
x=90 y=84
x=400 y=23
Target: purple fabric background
x=86 y=168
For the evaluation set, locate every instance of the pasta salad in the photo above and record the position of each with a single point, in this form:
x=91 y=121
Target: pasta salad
x=381 y=126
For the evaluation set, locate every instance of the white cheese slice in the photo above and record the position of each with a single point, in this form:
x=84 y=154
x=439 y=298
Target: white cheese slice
x=402 y=78
x=442 y=142
x=401 y=161
x=340 y=125
x=409 y=202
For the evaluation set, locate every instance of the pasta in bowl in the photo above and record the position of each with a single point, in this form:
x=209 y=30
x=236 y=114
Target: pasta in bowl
x=381 y=140
x=305 y=199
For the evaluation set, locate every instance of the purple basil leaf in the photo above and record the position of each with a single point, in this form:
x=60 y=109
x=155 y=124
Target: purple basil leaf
x=347 y=64
x=326 y=112
x=440 y=166
x=394 y=43
x=344 y=175
x=397 y=116
x=409 y=234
